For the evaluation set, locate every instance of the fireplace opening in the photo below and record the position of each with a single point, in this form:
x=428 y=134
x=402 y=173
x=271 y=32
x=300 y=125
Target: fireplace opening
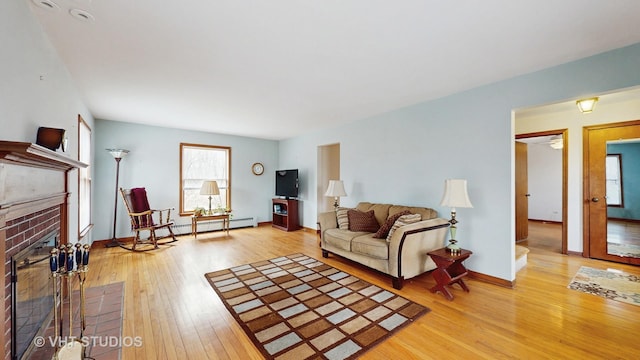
x=32 y=297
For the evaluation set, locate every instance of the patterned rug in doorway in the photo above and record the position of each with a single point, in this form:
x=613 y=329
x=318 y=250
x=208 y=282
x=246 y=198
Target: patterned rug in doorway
x=610 y=284
x=624 y=250
x=296 y=307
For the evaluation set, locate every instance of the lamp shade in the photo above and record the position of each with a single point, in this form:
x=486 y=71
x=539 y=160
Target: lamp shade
x=118 y=153
x=209 y=187
x=335 y=189
x=455 y=194
x=586 y=105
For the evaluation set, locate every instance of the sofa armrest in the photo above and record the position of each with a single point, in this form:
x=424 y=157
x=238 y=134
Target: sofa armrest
x=409 y=245
x=326 y=221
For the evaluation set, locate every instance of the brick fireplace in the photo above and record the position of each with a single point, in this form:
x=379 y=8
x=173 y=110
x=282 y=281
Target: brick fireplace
x=34 y=193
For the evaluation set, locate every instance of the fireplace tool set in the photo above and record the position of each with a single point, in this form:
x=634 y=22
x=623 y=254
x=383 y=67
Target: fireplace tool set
x=66 y=262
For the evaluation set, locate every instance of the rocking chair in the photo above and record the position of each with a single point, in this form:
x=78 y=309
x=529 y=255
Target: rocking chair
x=141 y=216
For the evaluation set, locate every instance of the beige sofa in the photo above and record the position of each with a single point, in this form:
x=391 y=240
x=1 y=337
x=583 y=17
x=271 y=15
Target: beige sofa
x=402 y=255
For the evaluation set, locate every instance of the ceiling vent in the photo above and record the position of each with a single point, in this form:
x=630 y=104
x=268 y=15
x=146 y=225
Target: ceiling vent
x=46 y=4
x=81 y=15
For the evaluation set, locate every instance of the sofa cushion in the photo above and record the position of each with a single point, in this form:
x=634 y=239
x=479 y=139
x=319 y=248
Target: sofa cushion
x=381 y=210
x=384 y=229
x=343 y=219
x=362 y=221
x=426 y=213
x=370 y=246
x=402 y=221
x=340 y=239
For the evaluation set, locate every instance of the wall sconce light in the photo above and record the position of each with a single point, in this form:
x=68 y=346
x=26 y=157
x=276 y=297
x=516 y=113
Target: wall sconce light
x=586 y=105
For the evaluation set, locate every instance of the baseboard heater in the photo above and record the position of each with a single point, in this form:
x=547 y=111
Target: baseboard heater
x=214 y=225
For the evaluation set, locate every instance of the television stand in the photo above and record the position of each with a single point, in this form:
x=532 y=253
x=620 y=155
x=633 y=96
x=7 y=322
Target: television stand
x=285 y=214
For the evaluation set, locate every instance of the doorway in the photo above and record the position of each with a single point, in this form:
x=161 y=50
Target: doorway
x=328 y=169
x=552 y=140
x=611 y=192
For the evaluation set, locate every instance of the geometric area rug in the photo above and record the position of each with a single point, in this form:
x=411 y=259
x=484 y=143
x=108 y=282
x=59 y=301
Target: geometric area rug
x=615 y=285
x=296 y=307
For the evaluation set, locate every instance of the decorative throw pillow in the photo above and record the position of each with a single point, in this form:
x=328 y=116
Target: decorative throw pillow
x=402 y=221
x=384 y=229
x=362 y=221
x=343 y=219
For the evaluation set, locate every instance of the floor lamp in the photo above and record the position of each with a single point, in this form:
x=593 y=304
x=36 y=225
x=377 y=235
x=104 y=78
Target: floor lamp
x=118 y=154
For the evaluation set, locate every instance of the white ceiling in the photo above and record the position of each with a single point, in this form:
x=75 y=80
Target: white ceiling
x=276 y=69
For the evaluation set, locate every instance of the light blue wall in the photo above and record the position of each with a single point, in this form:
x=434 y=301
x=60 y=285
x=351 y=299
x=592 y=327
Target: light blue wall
x=37 y=90
x=401 y=157
x=154 y=163
x=404 y=156
x=630 y=156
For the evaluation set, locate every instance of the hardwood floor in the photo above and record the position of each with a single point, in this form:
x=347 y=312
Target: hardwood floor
x=170 y=305
x=544 y=236
x=623 y=232
x=548 y=235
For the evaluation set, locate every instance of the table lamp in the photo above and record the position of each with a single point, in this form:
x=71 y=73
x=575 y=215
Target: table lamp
x=209 y=187
x=335 y=189
x=455 y=196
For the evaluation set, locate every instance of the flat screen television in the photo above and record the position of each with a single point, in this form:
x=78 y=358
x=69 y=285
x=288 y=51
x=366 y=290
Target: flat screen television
x=287 y=183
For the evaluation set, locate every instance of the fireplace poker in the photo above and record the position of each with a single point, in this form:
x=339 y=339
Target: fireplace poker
x=82 y=262
x=70 y=274
x=53 y=265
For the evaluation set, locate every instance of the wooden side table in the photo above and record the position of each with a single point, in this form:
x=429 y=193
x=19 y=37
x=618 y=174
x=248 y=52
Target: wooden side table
x=195 y=219
x=450 y=270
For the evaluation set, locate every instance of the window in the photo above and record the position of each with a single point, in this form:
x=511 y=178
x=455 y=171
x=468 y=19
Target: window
x=199 y=163
x=614 y=180
x=84 y=178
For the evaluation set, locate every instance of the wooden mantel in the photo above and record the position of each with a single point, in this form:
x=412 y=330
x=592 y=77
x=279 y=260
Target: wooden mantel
x=29 y=179
x=29 y=154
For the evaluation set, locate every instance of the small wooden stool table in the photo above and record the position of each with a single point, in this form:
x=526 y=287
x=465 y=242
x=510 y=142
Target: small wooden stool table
x=450 y=270
x=194 y=222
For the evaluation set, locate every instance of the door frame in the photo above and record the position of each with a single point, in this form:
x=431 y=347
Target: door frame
x=522 y=195
x=565 y=171
x=586 y=212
